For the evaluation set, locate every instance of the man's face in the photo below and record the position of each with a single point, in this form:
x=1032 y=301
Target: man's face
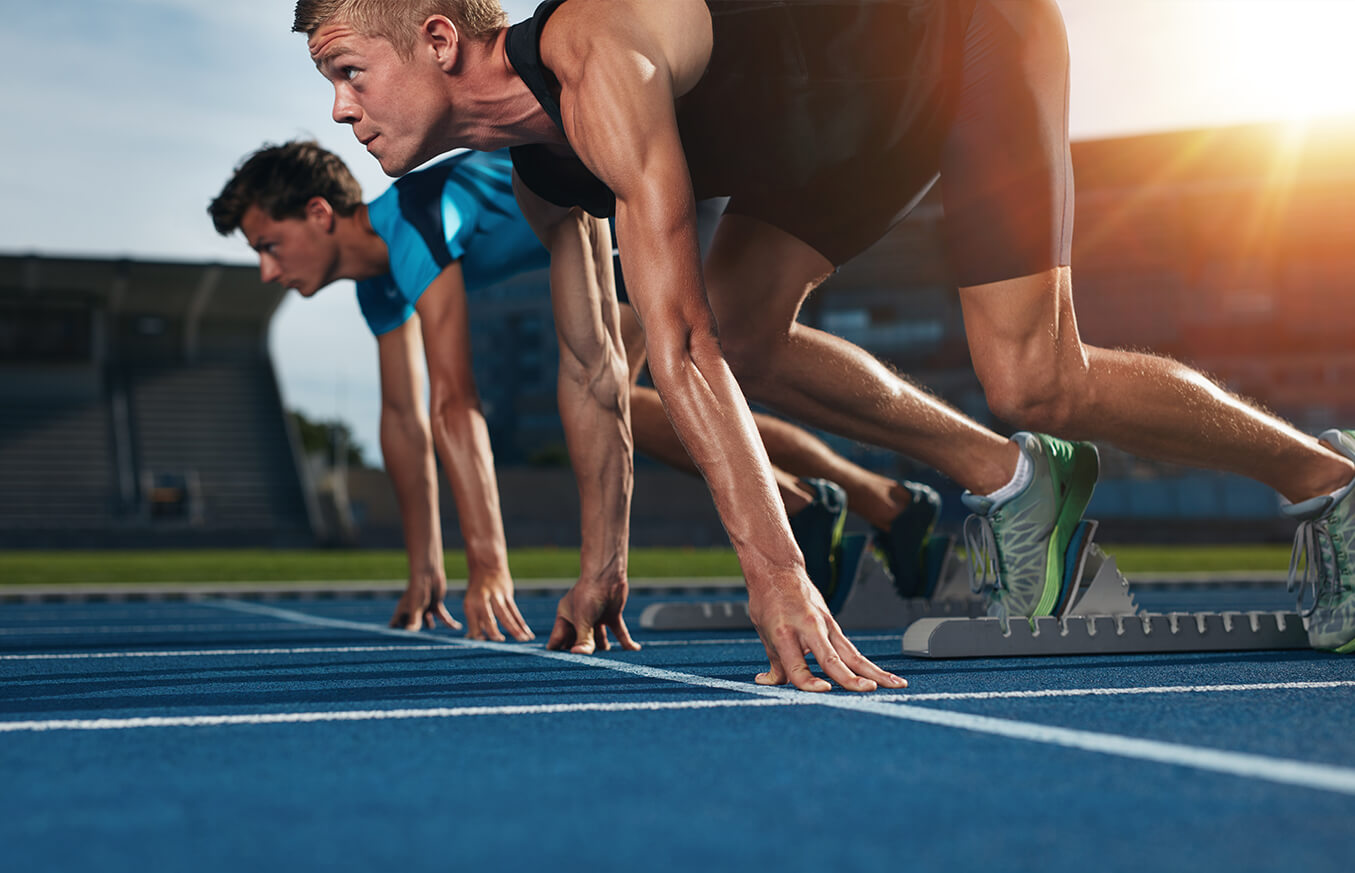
x=394 y=104
x=297 y=253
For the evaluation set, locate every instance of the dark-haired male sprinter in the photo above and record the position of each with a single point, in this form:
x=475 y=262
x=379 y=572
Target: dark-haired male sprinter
x=418 y=252
x=414 y=252
x=825 y=121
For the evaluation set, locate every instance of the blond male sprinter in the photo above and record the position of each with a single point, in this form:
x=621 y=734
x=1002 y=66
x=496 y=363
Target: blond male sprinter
x=825 y=121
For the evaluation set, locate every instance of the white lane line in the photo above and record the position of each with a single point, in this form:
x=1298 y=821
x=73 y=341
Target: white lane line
x=1284 y=771
x=262 y=718
x=212 y=653
x=749 y=641
x=1114 y=692
x=78 y=630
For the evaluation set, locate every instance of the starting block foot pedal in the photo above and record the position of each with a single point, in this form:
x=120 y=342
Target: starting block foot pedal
x=704 y=615
x=1099 y=617
x=1104 y=635
x=865 y=598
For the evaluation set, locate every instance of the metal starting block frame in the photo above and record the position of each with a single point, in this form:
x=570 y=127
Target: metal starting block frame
x=1101 y=618
x=868 y=602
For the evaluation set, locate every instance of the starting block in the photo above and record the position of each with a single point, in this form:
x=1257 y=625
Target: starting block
x=1100 y=618
x=867 y=602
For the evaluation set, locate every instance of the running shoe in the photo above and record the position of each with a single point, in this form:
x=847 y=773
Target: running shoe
x=1325 y=547
x=906 y=538
x=1022 y=540
x=818 y=531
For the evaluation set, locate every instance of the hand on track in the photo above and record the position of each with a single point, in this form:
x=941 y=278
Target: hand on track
x=792 y=622
x=422 y=602
x=490 y=597
x=586 y=612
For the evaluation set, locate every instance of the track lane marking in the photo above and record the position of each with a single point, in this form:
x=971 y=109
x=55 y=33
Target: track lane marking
x=133 y=629
x=203 y=653
x=266 y=718
x=1283 y=771
x=189 y=653
x=1115 y=692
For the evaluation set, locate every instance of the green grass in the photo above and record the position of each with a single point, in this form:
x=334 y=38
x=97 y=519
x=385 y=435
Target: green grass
x=245 y=565
x=259 y=565
x=1176 y=559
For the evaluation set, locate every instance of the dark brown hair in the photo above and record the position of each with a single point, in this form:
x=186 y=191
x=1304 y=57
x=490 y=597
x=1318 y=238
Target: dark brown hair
x=281 y=180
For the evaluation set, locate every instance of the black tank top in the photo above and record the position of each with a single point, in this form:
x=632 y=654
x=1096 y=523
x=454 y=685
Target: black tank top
x=799 y=96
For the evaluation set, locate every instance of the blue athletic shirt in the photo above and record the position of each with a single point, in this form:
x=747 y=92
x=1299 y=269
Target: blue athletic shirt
x=459 y=209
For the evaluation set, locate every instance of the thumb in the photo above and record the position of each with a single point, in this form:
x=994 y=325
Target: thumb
x=562 y=635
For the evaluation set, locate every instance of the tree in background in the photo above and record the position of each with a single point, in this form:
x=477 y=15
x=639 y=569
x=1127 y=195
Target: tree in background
x=331 y=439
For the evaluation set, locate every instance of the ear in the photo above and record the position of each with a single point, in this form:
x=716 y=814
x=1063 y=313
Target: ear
x=441 y=35
x=319 y=211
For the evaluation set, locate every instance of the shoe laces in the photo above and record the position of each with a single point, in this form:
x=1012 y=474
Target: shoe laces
x=981 y=543
x=1317 y=577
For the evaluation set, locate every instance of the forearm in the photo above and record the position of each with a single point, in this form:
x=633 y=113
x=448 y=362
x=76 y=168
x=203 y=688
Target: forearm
x=594 y=391
x=462 y=438
x=711 y=417
x=408 y=453
x=703 y=401
x=595 y=409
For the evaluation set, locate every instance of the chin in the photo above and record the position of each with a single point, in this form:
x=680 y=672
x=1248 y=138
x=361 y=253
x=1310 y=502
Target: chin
x=395 y=166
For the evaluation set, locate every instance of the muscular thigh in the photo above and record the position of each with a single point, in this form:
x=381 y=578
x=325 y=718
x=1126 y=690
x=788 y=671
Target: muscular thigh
x=757 y=276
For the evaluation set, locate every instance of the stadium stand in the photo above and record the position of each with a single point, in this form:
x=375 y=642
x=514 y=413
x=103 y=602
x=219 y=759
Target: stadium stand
x=138 y=406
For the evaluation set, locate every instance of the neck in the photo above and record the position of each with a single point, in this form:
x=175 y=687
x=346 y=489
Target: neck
x=498 y=107
x=363 y=254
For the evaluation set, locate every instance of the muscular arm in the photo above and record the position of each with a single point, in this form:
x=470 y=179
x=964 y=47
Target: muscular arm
x=462 y=439
x=621 y=70
x=594 y=387
x=407 y=447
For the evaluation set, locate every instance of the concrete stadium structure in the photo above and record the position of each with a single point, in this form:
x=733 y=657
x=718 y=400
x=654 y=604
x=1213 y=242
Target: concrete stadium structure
x=138 y=406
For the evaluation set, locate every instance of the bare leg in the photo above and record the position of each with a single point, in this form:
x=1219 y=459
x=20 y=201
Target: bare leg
x=757 y=276
x=794 y=451
x=1037 y=374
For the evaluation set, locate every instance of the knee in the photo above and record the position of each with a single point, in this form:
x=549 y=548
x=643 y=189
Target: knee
x=1044 y=399
x=751 y=355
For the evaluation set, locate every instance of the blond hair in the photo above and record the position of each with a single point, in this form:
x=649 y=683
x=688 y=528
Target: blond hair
x=398 y=21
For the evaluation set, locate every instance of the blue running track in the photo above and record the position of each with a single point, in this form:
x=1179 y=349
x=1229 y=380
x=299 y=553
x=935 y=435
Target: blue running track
x=301 y=734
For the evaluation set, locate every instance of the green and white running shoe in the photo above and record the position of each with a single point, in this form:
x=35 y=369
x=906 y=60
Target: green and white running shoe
x=1325 y=546
x=1021 y=541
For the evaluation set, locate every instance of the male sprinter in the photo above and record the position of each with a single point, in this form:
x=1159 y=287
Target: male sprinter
x=414 y=253
x=825 y=122
x=270 y=198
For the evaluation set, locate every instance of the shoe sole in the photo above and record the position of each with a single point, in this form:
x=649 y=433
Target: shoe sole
x=1080 y=478
x=917 y=581
x=1339 y=650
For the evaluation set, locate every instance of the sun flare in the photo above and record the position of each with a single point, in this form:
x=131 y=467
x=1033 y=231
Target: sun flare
x=1291 y=59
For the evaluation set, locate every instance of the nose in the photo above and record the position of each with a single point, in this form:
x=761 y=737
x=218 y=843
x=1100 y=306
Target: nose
x=345 y=107
x=269 y=271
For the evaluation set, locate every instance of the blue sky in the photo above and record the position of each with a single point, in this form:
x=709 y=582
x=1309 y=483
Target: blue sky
x=126 y=117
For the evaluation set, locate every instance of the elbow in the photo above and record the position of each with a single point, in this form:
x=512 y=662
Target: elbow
x=680 y=348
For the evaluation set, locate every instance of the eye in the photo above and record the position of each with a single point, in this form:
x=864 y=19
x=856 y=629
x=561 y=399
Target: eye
x=348 y=73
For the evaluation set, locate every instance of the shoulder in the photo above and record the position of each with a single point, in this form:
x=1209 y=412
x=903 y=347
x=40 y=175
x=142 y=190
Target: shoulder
x=673 y=37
